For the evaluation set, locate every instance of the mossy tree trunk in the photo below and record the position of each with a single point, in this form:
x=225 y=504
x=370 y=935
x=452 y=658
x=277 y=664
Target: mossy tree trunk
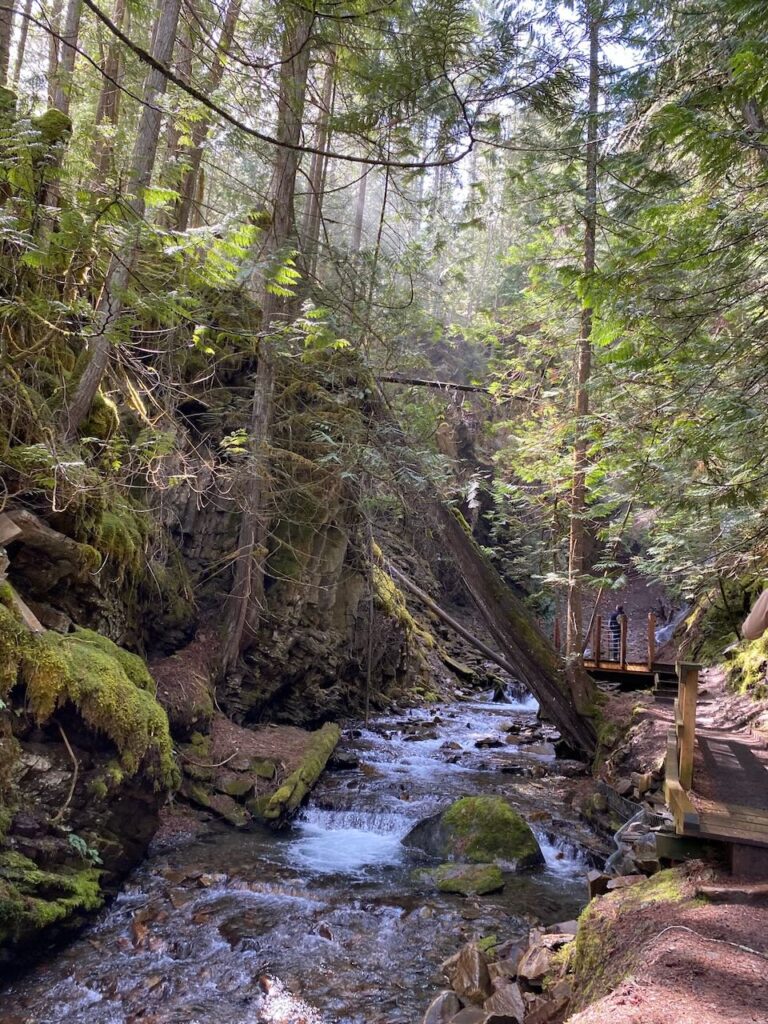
x=565 y=702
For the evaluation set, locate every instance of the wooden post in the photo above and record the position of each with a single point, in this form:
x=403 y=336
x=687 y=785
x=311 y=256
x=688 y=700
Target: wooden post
x=623 y=651
x=688 y=694
x=651 y=640
x=556 y=637
x=598 y=639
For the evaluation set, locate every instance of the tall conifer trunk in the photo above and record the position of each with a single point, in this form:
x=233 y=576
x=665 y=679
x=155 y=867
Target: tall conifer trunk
x=246 y=600
x=578 y=530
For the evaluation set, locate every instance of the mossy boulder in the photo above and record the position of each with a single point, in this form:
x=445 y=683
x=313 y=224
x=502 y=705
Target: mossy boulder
x=109 y=688
x=467 y=879
x=478 y=830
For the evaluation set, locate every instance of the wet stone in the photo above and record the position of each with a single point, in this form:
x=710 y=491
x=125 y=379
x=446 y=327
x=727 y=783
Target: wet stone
x=442 y=1009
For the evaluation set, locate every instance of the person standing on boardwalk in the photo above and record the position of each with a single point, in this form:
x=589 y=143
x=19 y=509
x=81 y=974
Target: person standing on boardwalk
x=615 y=620
x=756 y=622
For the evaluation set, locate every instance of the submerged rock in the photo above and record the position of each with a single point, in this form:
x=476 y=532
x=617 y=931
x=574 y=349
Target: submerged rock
x=478 y=830
x=468 y=879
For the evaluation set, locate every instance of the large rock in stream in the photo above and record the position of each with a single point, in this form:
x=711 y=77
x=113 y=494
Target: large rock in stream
x=478 y=830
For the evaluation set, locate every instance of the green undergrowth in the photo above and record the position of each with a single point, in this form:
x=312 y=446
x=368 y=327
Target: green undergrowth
x=110 y=688
x=747 y=668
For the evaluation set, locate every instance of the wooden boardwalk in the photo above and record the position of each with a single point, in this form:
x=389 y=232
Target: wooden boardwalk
x=717 y=782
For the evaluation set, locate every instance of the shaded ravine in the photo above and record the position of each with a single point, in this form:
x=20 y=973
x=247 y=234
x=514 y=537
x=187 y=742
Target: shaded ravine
x=202 y=933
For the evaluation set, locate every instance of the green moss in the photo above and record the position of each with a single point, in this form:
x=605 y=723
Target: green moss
x=121 y=535
x=132 y=665
x=103 y=419
x=392 y=601
x=484 y=829
x=54 y=127
x=93 y=676
x=288 y=798
x=747 y=669
x=468 y=879
x=32 y=900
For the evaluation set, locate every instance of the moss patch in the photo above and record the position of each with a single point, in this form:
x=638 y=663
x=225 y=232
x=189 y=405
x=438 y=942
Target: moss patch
x=468 y=879
x=747 y=670
x=32 y=900
x=484 y=829
x=107 y=686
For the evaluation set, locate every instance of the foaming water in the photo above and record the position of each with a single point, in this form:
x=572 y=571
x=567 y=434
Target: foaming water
x=348 y=842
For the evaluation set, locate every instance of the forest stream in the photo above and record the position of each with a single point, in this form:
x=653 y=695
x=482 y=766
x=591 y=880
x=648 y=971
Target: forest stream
x=327 y=921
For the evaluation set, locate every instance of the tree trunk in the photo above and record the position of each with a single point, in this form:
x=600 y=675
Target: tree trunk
x=108 y=109
x=110 y=305
x=567 y=700
x=6 y=34
x=54 y=48
x=317 y=171
x=246 y=599
x=62 y=86
x=22 y=44
x=189 y=185
x=357 y=230
x=578 y=530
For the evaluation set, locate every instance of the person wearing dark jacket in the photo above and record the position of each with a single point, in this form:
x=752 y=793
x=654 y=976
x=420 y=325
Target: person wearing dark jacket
x=615 y=620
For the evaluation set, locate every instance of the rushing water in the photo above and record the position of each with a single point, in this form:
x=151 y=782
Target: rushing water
x=332 y=907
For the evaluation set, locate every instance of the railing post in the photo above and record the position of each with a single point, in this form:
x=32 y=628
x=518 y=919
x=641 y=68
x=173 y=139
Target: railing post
x=651 y=640
x=623 y=652
x=598 y=643
x=688 y=691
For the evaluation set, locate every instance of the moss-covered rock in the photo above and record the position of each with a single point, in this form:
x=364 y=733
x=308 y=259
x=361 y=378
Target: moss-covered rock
x=747 y=667
x=33 y=901
x=479 y=830
x=468 y=879
x=109 y=688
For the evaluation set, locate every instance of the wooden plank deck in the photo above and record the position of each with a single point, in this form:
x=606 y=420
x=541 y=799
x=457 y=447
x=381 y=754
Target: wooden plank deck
x=716 y=782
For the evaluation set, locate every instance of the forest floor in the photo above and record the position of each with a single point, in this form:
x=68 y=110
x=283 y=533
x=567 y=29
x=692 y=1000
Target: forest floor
x=685 y=960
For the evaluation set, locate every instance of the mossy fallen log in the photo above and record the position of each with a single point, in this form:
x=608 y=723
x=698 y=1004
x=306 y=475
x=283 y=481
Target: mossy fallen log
x=286 y=800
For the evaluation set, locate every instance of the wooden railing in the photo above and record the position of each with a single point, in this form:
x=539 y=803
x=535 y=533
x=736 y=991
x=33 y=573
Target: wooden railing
x=604 y=651
x=680 y=746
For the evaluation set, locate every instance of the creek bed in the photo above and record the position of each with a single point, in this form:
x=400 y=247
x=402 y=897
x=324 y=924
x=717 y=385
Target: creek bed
x=323 y=923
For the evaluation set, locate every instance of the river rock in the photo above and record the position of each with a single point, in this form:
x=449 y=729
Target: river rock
x=468 y=975
x=440 y=1011
x=470 y=1015
x=535 y=965
x=479 y=830
x=343 y=761
x=505 y=970
x=468 y=879
x=507 y=1000
x=488 y=742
